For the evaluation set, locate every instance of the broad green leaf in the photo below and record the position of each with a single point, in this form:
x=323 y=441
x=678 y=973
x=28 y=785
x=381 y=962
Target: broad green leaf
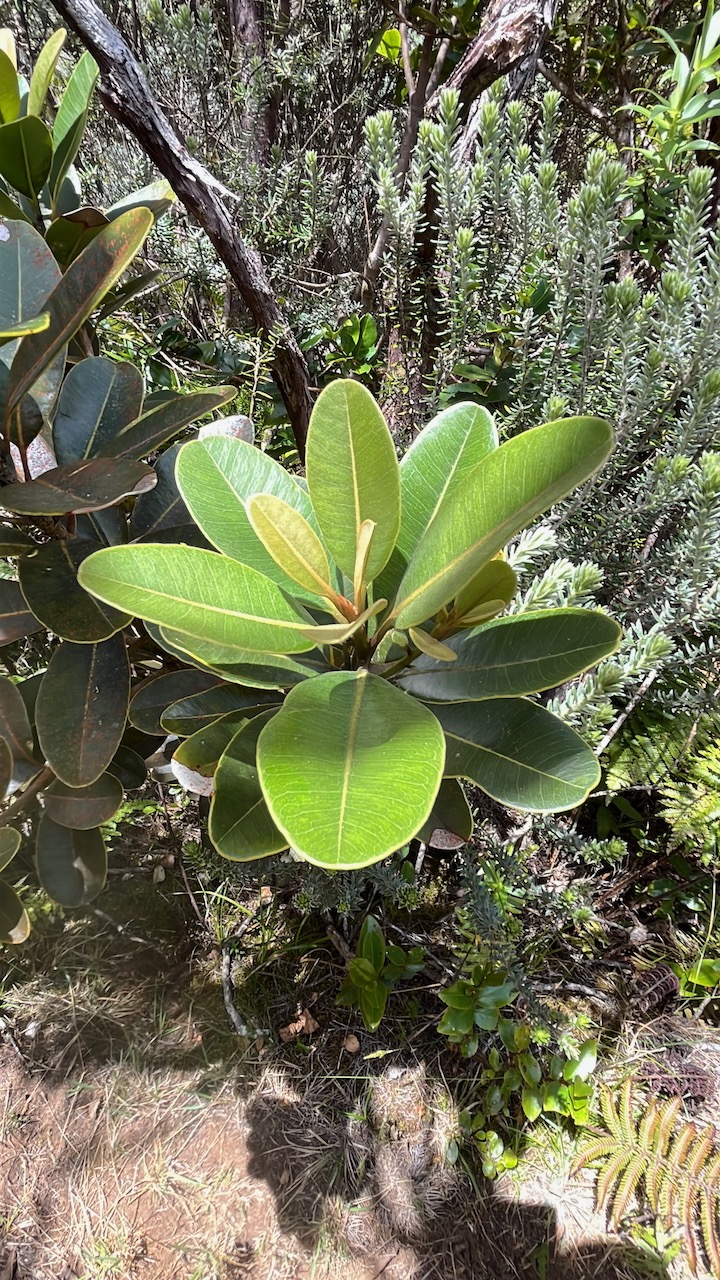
x=371 y=944
x=81 y=708
x=240 y=825
x=129 y=768
x=6 y=767
x=10 y=841
x=216 y=476
x=79 y=486
x=68 y=234
x=7 y=45
x=20 y=330
x=438 y=459
x=162 y=507
x=9 y=89
x=189 y=714
x=583 y=1066
x=159 y=423
x=71 y=119
x=353 y=474
x=98 y=399
x=76 y=296
x=14 y=921
x=372 y=1001
x=82 y=808
x=43 y=72
x=258 y=670
x=10 y=210
x=202 y=750
x=494 y=501
x=513 y=656
x=28 y=274
x=199 y=593
x=14 y=723
x=531 y=1100
x=16 y=620
x=157 y=197
x=495 y=581
x=519 y=753
x=72 y=865
x=154 y=696
x=25 y=155
x=48 y=580
x=291 y=541
x=350 y=768
x=450 y=824
x=13 y=542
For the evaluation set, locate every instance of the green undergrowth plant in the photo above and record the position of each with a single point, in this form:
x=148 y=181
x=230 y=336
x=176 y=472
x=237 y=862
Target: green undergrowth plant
x=349 y=629
x=647 y=1148
x=373 y=972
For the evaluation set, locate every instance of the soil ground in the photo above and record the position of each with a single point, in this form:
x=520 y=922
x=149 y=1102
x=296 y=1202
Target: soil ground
x=142 y=1138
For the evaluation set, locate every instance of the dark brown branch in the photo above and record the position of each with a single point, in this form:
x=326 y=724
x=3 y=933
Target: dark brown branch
x=583 y=104
x=509 y=30
x=129 y=99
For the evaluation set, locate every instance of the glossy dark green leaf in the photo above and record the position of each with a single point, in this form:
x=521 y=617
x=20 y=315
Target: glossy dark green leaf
x=70 y=233
x=513 y=656
x=372 y=1000
x=28 y=274
x=76 y=295
x=371 y=944
x=16 y=620
x=81 y=708
x=6 y=767
x=156 y=695
x=180 y=535
x=189 y=714
x=10 y=841
x=48 y=580
x=450 y=824
x=13 y=542
x=14 y=921
x=240 y=825
x=98 y=399
x=71 y=119
x=25 y=154
x=14 y=723
x=79 y=486
x=202 y=750
x=129 y=768
x=82 y=808
x=159 y=423
x=163 y=506
x=519 y=753
x=72 y=865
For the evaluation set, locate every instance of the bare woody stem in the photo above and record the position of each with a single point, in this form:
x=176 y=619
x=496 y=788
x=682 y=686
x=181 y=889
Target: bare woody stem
x=38 y=783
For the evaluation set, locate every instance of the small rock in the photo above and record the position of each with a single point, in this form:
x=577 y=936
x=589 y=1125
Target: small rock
x=351 y=1044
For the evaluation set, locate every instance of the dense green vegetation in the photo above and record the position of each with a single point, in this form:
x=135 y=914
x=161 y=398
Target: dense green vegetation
x=428 y=621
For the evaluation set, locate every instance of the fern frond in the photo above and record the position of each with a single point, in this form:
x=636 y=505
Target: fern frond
x=594 y=1148
x=610 y=1114
x=677 y=1156
x=627 y=1121
x=709 y=1228
x=696 y=1160
x=668 y=1114
x=628 y=1186
x=611 y=1173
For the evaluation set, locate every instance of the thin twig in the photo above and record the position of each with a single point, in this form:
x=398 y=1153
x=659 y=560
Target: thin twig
x=41 y=780
x=624 y=715
x=583 y=104
x=228 y=992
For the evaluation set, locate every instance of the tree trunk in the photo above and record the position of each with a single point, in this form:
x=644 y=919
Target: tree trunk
x=128 y=97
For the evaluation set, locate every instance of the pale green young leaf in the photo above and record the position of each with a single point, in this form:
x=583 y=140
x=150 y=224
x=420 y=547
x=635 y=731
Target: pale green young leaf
x=353 y=474
x=198 y=593
x=43 y=72
x=495 y=581
x=494 y=501
x=291 y=541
